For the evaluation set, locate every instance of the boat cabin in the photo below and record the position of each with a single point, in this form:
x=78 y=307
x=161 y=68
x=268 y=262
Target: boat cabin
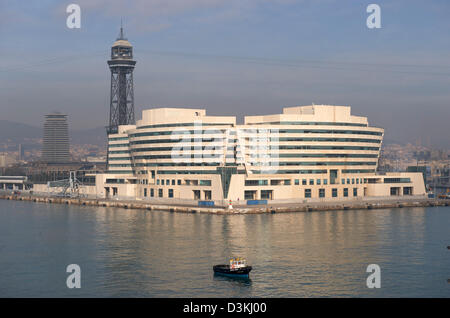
x=237 y=262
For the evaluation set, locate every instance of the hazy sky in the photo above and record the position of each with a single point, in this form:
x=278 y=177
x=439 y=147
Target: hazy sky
x=233 y=57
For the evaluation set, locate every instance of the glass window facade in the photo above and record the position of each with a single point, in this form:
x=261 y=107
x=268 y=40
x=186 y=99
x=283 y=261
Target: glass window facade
x=321 y=193
x=307 y=193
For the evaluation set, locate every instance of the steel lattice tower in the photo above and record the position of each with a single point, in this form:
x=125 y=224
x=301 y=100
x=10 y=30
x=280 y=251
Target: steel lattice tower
x=121 y=111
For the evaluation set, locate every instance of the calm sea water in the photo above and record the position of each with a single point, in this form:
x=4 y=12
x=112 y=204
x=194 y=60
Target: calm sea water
x=137 y=253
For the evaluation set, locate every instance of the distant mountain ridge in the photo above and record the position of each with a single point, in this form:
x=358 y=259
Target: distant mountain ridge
x=23 y=133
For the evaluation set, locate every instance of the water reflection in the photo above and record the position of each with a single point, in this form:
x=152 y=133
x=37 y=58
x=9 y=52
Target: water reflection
x=237 y=281
x=158 y=254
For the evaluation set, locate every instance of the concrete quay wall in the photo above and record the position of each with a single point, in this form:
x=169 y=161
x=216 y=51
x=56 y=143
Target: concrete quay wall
x=272 y=207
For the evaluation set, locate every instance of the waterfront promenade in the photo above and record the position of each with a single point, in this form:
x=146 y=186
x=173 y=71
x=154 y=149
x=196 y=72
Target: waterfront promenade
x=233 y=207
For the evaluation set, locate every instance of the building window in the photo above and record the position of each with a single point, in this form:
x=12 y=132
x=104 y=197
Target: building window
x=162 y=181
x=318 y=181
x=407 y=190
x=307 y=193
x=397 y=180
x=311 y=181
x=334 y=193
x=256 y=182
x=115 y=180
x=353 y=180
x=205 y=182
x=275 y=182
x=325 y=181
x=297 y=181
x=179 y=181
x=355 y=192
x=345 y=192
x=333 y=176
x=208 y=195
x=321 y=193
x=170 y=193
x=395 y=190
x=152 y=193
x=160 y=193
x=343 y=181
x=266 y=194
x=304 y=182
x=250 y=195
x=157 y=182
x=196 y=194
x=173 y=182
x=145 y=192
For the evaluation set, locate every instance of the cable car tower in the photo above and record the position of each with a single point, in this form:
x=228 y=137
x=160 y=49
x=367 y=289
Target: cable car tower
x=121 y=64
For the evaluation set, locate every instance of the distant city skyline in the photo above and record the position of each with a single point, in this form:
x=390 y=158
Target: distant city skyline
x=233 y=57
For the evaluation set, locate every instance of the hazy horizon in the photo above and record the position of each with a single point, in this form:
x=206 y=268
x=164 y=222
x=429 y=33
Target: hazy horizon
x=233 y=58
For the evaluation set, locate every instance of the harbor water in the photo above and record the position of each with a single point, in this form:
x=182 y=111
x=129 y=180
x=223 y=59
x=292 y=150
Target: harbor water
x=139 y=253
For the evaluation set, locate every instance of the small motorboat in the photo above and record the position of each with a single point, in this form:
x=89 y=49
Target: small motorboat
x=237 y=268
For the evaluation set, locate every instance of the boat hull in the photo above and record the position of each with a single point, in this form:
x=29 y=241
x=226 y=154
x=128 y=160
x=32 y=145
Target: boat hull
x=226 y=271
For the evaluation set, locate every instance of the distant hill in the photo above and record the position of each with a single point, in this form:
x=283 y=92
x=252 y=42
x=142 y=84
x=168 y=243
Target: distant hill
x=387 y=141
x=93 y=136
x=16 y=132
x=12 y=132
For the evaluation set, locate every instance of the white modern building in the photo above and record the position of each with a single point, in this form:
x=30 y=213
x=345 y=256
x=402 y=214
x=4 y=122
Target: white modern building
x=317 y=152
x=15 y=183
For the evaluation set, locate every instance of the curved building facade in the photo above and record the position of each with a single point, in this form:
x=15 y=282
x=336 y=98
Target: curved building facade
x=317 y=152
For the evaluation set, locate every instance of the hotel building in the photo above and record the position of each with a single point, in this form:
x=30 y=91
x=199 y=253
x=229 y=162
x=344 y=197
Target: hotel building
x=55 y=147
x=317 y=152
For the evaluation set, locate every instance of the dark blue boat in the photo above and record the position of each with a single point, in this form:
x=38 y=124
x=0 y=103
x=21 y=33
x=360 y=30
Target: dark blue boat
x=237 y=268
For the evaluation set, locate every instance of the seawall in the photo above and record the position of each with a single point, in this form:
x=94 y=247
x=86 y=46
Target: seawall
x=396 y=202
